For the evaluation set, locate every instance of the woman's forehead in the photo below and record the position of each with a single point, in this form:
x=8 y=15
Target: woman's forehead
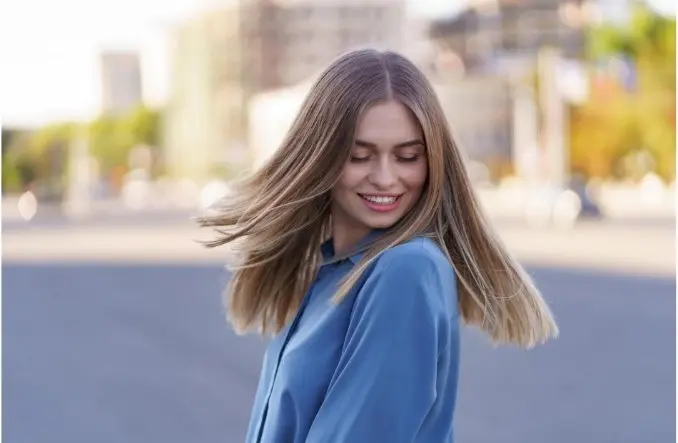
x=387 y=121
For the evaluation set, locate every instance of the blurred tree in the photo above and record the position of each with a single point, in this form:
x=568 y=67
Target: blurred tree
x=144 y=125
x=7 y=137
x=49 y=147
x=632 y=107
x=40 y=157
x=37 y=159
x=12 y=141
x=17 y=172
x=108 y=144
x=112 y=138
x=603 y=132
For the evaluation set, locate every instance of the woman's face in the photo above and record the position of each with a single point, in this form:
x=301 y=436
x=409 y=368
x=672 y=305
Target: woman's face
x=384 y=176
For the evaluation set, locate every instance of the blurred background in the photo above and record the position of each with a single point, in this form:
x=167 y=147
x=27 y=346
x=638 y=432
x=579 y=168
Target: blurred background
x=122 y=119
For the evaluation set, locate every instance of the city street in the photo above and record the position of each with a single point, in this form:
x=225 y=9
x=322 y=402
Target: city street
x=124 y=121
x=136 y=349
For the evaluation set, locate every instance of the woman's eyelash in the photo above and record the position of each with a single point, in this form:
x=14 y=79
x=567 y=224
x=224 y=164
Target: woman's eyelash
x=409 y=159
x=359 y=159
x=402 y=159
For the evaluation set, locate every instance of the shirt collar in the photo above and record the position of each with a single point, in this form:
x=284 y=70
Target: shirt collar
x=327 y=248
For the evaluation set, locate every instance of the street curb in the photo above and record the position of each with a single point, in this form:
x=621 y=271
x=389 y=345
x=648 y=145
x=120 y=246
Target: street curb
x=644 y=253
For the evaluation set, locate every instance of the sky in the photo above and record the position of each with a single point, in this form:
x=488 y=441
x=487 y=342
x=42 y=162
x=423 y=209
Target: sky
x=50 y=58
x=49 y=52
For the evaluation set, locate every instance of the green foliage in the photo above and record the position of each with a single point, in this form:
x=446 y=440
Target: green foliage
x=42 y=155
x=11 y=173
x=647 y=35
x=112 y=138
x=618 y=123
x=36 y=157
x=15 y=173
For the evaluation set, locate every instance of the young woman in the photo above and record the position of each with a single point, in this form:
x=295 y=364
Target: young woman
x=361 y=248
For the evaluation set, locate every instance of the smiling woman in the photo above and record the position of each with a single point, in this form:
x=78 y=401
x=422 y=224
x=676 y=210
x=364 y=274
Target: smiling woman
x=384 y=177
x=363 y=246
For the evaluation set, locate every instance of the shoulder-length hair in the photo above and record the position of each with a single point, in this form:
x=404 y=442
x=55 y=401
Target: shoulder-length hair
x=277 y=217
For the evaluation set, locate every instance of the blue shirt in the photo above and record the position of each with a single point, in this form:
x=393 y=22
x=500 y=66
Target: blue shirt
x=380 y=366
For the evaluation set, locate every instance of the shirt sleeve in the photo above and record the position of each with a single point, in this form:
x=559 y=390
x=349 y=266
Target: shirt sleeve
x=385 y=381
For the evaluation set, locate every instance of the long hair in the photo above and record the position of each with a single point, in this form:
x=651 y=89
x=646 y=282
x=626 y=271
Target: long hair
x=276 y=218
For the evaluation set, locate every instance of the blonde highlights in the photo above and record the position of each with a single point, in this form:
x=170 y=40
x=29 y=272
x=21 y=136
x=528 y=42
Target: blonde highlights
x=277 y=217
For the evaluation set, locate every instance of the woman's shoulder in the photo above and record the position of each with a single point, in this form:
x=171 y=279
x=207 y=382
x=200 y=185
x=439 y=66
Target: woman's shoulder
x=419 y=262
x=416 y=255
x=412 y=272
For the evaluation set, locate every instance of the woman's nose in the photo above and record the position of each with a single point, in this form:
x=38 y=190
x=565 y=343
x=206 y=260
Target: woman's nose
x=383 y=176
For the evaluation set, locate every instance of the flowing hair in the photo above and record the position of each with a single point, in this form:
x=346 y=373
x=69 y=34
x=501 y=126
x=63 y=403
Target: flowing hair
x=276 y=218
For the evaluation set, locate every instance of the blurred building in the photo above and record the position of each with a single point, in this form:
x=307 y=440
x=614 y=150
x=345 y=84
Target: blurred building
x=271 y=115
x=482 y=51
x=224 y=56
x=120 y=81
x=205 y=93
x=501 y=35
x=479 y=112
x=296 y=38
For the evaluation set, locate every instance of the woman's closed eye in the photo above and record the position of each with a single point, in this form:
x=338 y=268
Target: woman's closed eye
x=409 y=158
x=400 y=158
x=359 y=158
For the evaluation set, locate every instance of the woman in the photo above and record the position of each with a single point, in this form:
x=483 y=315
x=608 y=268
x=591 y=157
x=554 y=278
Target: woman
x=362 y=246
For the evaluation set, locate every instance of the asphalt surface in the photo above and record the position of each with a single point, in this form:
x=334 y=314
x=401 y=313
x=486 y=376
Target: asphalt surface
x=141 y=353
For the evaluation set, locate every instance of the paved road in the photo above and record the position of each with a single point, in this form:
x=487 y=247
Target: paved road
x=140 y=353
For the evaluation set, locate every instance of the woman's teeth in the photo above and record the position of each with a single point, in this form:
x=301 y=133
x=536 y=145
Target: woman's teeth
x=380 y=200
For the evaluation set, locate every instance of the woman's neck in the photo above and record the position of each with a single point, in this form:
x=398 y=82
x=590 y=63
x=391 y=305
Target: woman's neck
x=345 y=238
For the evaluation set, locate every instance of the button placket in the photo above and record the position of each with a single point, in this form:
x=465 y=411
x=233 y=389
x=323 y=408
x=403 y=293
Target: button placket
x=288 y=335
